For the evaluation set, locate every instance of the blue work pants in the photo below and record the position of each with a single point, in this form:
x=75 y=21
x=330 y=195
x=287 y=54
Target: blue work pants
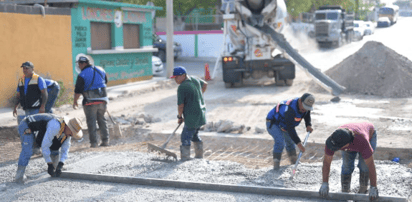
x=189 y=134
x=281 y=138
x=348 y=159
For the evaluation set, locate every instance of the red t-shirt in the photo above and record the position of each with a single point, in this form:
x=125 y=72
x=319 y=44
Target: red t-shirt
x=361 y=142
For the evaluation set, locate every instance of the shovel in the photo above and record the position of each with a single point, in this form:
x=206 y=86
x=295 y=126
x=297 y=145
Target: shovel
x=162 y=149
x=116 y=126
x=300 y=155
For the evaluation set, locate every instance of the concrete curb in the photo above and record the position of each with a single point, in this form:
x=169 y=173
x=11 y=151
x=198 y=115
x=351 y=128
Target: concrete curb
x=224 y=187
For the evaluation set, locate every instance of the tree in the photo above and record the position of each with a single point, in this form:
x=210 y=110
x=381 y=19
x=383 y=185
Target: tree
x=180 y=7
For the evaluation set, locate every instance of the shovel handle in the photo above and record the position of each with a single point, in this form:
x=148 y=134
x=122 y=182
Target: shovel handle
x=300 y=154
x=110 y=116
x=170 y=136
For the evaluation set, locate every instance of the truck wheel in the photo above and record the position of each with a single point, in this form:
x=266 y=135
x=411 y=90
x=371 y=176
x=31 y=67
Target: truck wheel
x=228 y=85
x=162 y=55
x=289 y=82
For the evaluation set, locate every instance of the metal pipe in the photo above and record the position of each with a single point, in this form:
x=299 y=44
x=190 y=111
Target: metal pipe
x=224 y=187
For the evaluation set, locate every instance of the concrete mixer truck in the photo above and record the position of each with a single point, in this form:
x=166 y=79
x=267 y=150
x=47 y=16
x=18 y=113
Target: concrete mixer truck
x=258 y=48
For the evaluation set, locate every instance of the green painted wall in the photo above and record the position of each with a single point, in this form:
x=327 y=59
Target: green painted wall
x=120 y=67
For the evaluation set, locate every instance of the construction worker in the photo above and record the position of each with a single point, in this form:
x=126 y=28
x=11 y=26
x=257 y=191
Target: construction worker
x=52 y=133
x=91 y=83
x=281 y=122
x=191 y=110
x=53 y=90
x=352 y=139
x=31 y=92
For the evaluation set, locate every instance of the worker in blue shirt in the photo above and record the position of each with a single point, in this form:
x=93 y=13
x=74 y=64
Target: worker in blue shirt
x=31 y=91
x=53 y=134
x=91 y=83
x=53 y=90
x=281 y=122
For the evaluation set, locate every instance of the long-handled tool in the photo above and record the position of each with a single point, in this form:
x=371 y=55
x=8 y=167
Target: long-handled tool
x=116 y=126
x=300 y=155
x=162 y=149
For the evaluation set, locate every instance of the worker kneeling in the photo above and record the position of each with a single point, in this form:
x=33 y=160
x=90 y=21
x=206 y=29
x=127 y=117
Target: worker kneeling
x=352 y=139
x=51 y=133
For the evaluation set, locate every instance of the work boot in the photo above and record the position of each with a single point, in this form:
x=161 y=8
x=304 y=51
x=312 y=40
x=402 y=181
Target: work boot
x=363 y=182
x=345 y=181
x=276 y=160
x=55 y=159
x=292 y=156
x=19 y=178
x=198 y=149
x=93 y=145
x=104 y=144
x=184 y=153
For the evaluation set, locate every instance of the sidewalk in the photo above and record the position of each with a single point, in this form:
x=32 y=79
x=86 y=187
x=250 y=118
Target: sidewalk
x=6 y=114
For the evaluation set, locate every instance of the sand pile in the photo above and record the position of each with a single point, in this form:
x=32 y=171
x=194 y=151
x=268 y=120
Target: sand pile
x=374 y=70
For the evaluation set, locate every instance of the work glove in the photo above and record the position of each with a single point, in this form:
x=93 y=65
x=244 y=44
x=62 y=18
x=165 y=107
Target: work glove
x=373 y=193
x=59 y=169
x=324 y=190
x=50 y=170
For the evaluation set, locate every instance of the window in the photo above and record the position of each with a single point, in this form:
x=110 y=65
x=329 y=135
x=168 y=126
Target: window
x=101 y=35
x=131 y=36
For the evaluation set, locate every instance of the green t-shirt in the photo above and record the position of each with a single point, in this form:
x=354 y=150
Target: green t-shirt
x=189 y=93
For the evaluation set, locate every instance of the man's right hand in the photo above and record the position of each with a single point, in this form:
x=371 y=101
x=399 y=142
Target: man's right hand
x=50 y=169
x=301 y=147
x=75 y=105
x=15 y=112
x=324 y=190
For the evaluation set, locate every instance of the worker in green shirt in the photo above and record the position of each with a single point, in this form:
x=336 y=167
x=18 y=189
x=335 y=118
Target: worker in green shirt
x=191 y=110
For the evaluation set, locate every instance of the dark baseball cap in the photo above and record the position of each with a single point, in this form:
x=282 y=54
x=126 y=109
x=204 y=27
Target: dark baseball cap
x=307 y=101
x=339 y=138
x=27 y=64
x=177 y=71
x=83 y=59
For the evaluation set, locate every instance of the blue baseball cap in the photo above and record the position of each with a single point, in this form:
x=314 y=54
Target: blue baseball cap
x=82 y=59
x=177 y=71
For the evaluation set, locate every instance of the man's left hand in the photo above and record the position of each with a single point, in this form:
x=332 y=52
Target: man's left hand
x=42 y=109
x=50 y=169
x=59 y=169
x=373 y=193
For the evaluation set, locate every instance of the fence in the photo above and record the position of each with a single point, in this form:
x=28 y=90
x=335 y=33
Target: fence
x=192 y=23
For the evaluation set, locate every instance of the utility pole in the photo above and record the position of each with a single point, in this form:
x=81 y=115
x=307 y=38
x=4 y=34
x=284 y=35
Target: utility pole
x=169 y=39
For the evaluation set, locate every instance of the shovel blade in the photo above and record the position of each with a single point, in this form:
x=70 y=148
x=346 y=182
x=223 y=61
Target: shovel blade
x=155 y=148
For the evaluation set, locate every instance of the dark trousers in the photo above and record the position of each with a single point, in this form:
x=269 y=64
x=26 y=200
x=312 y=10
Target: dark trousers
x=95 y=113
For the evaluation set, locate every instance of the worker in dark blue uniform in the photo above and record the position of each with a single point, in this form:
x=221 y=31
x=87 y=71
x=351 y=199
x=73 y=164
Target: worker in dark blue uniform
x=281 y=122
x=31 y=92
x=91 y=83
x=53 y=90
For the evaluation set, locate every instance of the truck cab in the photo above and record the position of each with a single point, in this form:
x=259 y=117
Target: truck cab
x=331 y=25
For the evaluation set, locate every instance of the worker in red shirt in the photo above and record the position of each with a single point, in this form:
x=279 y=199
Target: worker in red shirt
x=352 y=139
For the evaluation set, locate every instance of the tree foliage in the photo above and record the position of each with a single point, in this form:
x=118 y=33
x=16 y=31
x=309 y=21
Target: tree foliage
x=180 y=7
x=295 y=7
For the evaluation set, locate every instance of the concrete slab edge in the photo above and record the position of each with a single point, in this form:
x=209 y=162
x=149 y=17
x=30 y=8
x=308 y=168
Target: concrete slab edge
x=224 y=187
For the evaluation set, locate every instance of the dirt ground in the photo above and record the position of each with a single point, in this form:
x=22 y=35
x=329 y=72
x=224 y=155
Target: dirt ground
x=252 y=150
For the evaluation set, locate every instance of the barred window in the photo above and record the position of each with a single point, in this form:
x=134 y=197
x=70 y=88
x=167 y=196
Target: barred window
x=101 y=35
x=131 y=36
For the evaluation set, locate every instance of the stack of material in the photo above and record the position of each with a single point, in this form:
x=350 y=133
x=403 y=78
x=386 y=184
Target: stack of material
x=374 y=70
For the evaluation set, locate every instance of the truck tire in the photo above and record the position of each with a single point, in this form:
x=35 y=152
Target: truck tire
x=228 y=85
x=289 y=82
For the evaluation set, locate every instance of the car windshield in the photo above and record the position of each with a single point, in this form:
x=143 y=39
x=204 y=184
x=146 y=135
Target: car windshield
x=387 y=11
x=327 y=16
